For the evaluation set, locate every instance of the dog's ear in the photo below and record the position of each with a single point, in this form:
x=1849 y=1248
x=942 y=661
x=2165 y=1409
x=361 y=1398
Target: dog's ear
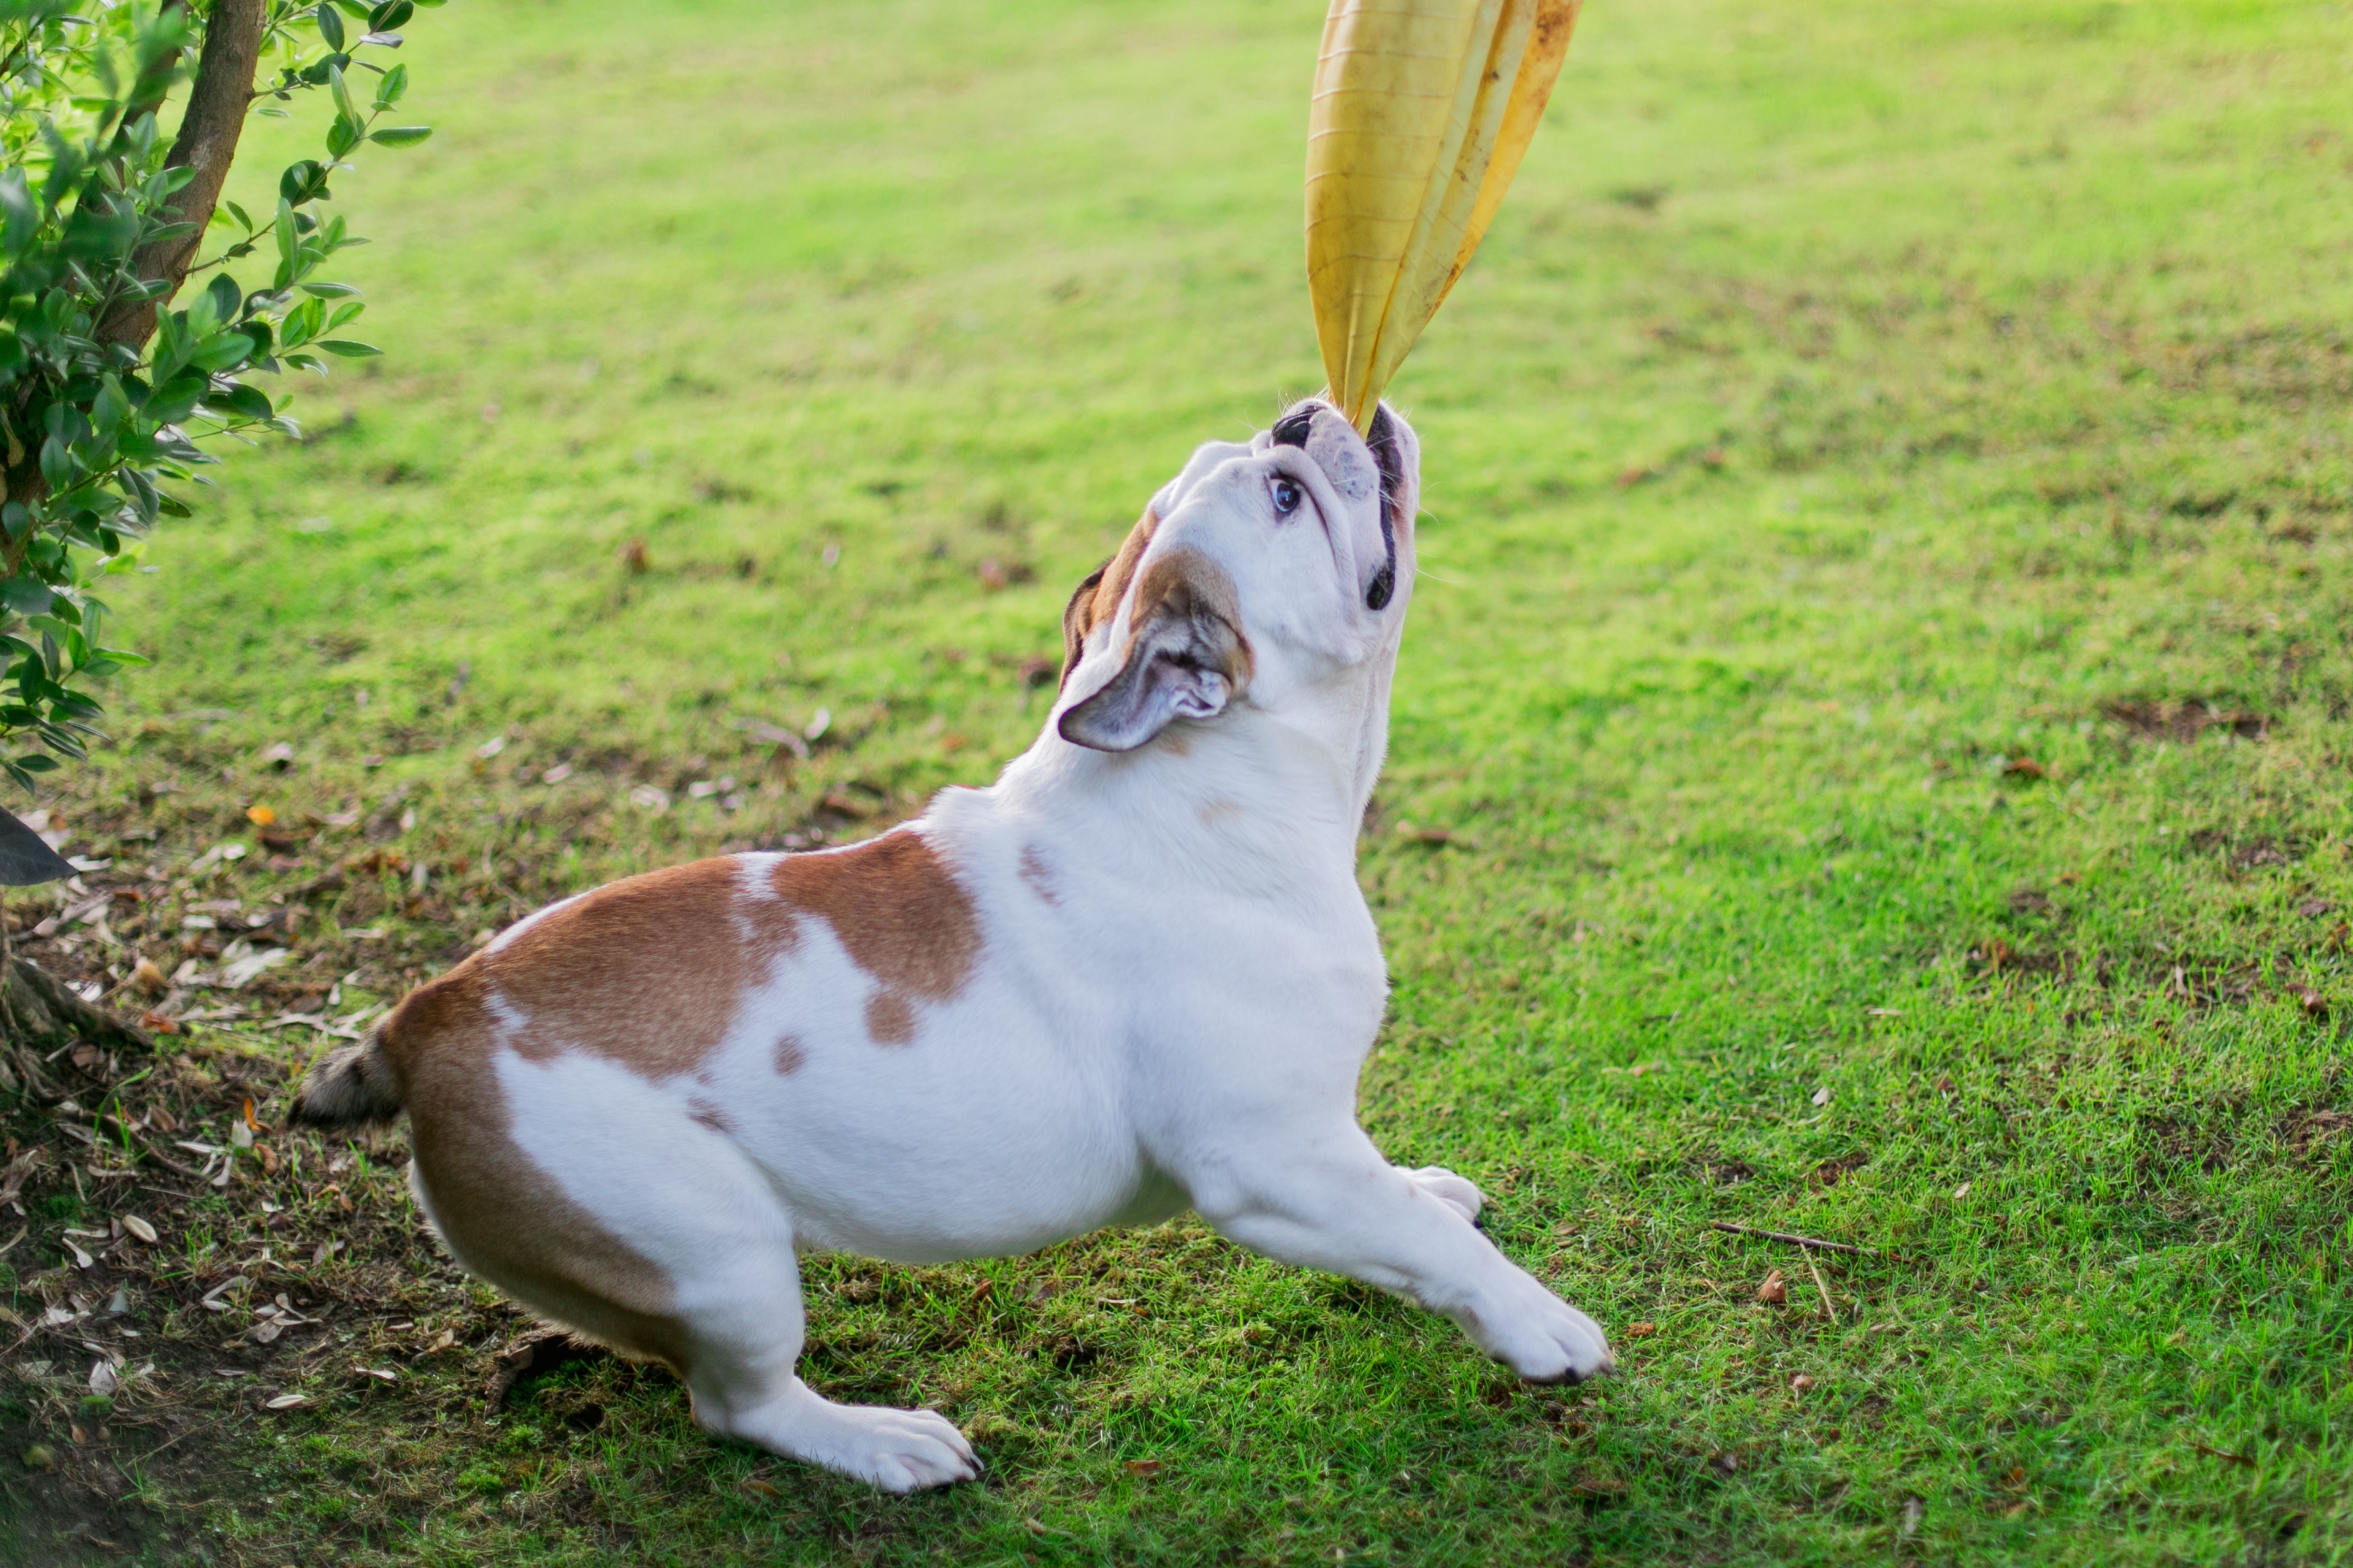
x=1078 y=620
x=1097 y=598
x=1185 y=659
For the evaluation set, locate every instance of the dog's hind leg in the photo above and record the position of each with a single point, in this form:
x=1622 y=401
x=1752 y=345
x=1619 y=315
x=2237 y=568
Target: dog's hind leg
x=743 y=1332
x=735 y=1298
x=615 y=1209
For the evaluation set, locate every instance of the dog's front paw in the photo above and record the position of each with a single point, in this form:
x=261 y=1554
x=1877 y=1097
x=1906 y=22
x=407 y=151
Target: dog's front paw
x=1448 y=1188
x=1542 y=1337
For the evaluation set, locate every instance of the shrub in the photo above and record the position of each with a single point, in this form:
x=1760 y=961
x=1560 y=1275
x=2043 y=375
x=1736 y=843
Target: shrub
x=110 y=392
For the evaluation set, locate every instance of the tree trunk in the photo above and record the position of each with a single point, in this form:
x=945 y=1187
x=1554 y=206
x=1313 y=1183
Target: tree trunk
x=207 y=143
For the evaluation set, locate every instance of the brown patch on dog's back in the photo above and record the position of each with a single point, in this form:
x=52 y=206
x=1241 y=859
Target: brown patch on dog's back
x=904 y=920
x=647 y=972
x=899 y=913
x=890 y=1019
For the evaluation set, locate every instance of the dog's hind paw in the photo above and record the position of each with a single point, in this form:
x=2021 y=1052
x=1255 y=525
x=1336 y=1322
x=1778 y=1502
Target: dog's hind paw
x=896 y=1450
x=900 y=1450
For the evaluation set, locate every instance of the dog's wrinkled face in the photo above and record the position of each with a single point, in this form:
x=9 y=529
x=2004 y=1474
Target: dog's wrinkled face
x=1262 y=569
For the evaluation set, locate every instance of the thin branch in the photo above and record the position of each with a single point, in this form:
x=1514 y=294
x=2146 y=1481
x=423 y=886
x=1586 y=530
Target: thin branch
x=1799 y=1241
x=206 y=142
x=1828 y=1310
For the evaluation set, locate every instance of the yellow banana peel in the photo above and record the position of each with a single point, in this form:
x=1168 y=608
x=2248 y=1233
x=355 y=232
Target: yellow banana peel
x=1422 y=112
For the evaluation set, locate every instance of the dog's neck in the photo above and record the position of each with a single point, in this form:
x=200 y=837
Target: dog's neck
x=1252 y=792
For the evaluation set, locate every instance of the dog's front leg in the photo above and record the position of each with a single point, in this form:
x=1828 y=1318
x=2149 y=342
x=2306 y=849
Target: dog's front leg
x=1343 y=1208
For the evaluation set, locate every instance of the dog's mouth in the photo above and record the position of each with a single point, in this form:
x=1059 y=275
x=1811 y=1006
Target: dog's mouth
x=1292 y=430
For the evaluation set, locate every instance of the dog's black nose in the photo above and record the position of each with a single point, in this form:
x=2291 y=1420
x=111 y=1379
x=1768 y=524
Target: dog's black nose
x=1291 y=430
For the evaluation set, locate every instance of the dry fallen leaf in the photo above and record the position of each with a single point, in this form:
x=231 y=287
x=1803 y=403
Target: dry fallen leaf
x=148 y=977
x=103 y=1380
x=139 y=1227
x=260 y=815
x=1774 y=1290
x=1822 y=1096
x=759 y=1487
x=1800 y=1383
x=1961 y=1191
x=1641 y=1331
x=286 y=1402
x=1143 y=1468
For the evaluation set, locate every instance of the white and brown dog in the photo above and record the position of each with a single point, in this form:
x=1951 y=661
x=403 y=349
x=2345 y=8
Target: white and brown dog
x=1133 y=976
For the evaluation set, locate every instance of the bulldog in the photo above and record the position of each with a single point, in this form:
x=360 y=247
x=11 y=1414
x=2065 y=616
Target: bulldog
x=1133 y=976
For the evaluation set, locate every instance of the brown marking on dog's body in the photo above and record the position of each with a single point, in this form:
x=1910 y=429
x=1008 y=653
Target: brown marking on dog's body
x=1037 y=876
x=503 y=1216
x=1212 y=811
x=789 y=1055
x=890 y=1019
x=901 y=915
x=647 y=972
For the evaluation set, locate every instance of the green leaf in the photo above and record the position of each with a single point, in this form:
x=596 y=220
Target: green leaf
x=343 y=135
x=401 y=135
x=390 y=15
x=223 y=350
x=347 y=348
x=343 y=93
x=395 y=83
x=237 y=213
x=226 y=296
x=330 y=290
x=248 y=401
x=302 y=181
x=287 y=242
x=26 y=596
x=112 y=406
x=331 y=25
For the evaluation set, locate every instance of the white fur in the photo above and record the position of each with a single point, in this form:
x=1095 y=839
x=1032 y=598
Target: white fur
x=1181 y=1024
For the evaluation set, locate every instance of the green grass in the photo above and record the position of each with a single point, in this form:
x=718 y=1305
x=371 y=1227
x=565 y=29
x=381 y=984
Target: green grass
x=1853 y=402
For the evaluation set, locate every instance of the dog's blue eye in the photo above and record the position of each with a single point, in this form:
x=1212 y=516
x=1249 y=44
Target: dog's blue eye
x=1287 y=498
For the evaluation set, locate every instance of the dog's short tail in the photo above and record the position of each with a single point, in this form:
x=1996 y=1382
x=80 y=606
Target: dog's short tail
x=352 y=1086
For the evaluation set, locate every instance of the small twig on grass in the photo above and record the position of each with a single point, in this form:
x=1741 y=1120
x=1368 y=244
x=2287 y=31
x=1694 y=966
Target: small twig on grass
x=1802 y=1240
x=166 y=1161
x=1828 y=1310
x=2218 y=1454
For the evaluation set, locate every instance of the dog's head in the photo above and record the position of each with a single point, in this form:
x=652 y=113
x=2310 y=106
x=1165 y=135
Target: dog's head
x=1259 y=573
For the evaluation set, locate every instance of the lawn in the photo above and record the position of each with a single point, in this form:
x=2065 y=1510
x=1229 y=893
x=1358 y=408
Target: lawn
x=1869 y=762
